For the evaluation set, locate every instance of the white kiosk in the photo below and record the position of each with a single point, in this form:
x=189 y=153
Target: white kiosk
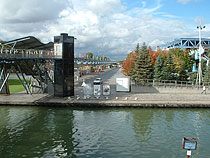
x=123 y=84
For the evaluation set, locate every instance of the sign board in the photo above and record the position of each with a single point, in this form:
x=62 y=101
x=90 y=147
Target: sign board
x=106 y=90
x=97 y=90
x=123 y=84
x=97 y=87
x=189 y=143
x=189 y=152
x=87 y=90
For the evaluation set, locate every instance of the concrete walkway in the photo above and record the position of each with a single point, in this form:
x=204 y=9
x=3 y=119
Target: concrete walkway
x=131 y=100
x=21 y=99
x=135 y=100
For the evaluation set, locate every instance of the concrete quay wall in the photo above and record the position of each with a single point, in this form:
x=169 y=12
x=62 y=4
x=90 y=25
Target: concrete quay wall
x=125 y=105
x=108 y=104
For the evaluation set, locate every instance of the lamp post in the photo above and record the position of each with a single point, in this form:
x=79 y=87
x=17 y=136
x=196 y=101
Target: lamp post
x=201 y=50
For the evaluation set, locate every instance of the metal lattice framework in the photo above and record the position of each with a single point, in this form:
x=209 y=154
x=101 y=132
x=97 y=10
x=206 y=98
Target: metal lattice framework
x=23 y=56
x=28 y=55
x=31 y=48
x=186 y=43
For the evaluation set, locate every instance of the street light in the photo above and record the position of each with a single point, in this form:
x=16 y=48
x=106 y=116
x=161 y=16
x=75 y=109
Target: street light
x=201 y=50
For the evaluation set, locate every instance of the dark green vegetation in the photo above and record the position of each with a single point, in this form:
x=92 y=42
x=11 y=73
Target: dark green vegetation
x=90 y=55
x=143 y=65
x=158 y=68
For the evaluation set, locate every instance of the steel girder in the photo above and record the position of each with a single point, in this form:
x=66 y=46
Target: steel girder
x=186 y=43
x=36 y=68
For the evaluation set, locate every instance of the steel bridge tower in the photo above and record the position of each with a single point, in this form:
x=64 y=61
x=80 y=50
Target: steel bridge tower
x=64 y=67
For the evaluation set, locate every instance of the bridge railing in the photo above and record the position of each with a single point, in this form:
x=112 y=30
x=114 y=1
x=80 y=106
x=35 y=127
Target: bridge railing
x=28 y=53
x=7 y=53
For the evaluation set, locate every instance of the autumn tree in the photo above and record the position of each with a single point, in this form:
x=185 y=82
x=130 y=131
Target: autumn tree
x=182 y=62
x=129 y=63
x=153 y=55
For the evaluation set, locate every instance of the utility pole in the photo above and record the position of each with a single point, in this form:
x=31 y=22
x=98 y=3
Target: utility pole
x=201 y=50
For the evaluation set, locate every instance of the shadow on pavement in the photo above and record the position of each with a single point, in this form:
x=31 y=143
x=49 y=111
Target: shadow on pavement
x=143 y=89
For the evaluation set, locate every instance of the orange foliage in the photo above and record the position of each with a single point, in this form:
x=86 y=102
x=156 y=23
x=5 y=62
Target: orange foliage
x=129 y=63
x=153 y=54
x=164 y=53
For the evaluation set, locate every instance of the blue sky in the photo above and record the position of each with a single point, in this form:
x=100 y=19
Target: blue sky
x=105 y=27
x=186 y=10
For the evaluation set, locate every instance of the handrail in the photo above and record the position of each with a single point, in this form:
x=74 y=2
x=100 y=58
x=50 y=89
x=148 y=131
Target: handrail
x=168 y=83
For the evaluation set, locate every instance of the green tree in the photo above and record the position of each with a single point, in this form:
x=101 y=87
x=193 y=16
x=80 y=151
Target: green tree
x=207 y=74
x=137 y=50
x=158 y=68
x=5 y=47
x=168 y=72
x=89 y=55
x=143 y=66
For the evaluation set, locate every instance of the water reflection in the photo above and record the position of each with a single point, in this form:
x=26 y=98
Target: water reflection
x=169 y=115
x=67 y=132
x=141 y=124
x=37 y=133
x=159 y=130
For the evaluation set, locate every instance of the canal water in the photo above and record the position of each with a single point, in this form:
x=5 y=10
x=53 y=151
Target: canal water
x=39 y=132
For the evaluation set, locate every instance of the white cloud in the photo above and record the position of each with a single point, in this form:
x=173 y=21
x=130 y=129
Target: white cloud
x=23 y=17
x=184 y=1
x=144 y=3
x=200 y=21
x=151 y=10
x=101 y=26
x=25 y=11
x=187 y=1
x=104 y=6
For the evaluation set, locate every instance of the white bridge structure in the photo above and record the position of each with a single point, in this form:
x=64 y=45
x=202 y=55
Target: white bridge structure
x=186 y=43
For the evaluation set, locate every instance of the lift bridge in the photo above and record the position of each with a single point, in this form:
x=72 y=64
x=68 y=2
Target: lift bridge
x=51 y=65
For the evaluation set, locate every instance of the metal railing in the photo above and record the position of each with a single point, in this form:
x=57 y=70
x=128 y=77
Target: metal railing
x=169 y=83
x=46 y=54
x=27 y=53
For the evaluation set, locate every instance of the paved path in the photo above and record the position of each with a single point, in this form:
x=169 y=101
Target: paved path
x=137 y=100
x=20 y=99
